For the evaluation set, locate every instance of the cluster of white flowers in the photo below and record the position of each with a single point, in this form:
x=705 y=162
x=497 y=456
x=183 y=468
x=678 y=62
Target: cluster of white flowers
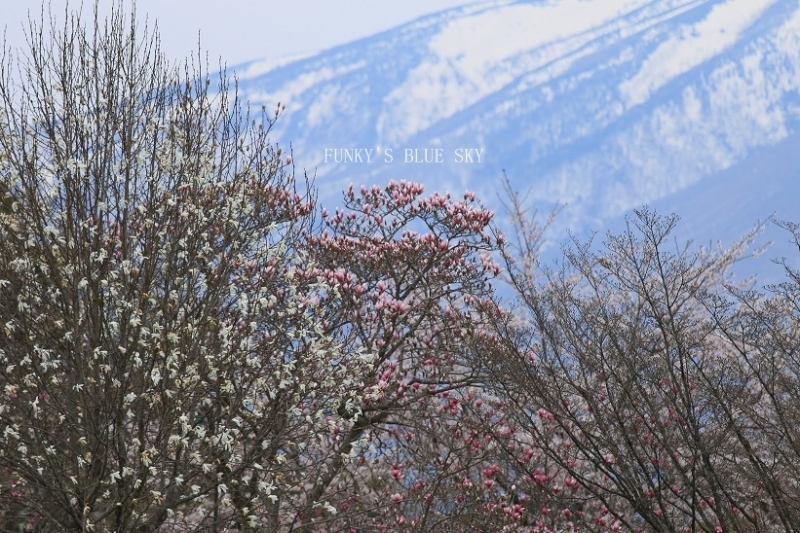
x=159 y=348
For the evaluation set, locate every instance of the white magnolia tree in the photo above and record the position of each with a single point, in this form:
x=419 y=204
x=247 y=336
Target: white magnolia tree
x=160 y=358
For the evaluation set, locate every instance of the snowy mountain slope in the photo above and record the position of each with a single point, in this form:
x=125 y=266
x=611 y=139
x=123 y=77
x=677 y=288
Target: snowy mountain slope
x=603 y=105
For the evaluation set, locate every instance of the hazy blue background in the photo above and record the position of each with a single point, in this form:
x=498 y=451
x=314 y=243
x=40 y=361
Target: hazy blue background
x=243 y=30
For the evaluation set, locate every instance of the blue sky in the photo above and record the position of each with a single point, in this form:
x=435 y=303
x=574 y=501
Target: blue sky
x=242 y=30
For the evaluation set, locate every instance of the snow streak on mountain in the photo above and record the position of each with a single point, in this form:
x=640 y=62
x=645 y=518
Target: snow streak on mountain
x=603 y=105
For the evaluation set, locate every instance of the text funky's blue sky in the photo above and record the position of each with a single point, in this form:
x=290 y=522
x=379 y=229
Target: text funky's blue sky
x=241 y=30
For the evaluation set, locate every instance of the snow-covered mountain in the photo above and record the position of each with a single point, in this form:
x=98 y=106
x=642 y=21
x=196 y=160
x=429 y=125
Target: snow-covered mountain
x=691 y=105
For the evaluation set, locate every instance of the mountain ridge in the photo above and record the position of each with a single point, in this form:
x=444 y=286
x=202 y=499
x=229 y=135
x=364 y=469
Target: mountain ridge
x=602 y=105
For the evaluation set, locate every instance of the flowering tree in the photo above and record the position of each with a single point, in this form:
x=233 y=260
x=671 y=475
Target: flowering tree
x=657 y=392
x=160 y=357
x=413 y=275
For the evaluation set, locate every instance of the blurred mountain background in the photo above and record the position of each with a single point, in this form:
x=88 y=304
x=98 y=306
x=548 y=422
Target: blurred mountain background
x=691 y=106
